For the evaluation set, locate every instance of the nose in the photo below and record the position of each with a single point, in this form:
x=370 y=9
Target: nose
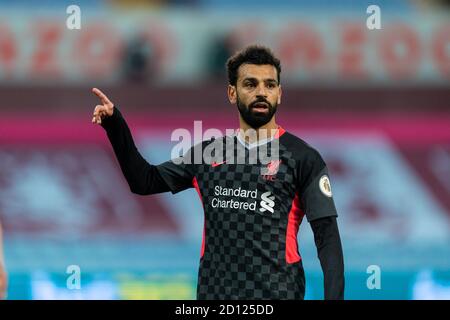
x=261 y=91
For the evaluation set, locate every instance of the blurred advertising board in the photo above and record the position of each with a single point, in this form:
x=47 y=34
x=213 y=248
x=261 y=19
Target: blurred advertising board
x=315 y=48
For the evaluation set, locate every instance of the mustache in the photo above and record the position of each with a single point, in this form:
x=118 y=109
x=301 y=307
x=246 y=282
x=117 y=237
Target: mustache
x=260 y=100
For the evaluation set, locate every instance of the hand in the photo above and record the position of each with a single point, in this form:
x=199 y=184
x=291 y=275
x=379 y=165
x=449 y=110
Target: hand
x=3 y=281
x=103 y=110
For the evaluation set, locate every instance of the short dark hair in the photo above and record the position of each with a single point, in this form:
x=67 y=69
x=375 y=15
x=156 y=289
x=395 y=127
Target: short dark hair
x=253 y=54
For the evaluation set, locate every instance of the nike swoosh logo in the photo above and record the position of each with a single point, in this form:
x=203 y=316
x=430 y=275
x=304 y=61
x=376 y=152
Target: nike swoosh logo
x=215 y=164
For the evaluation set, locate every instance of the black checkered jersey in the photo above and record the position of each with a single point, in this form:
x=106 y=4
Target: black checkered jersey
x=254 y=199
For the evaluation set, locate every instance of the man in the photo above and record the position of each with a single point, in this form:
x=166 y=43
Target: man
x=252 y=210
x=3 y=276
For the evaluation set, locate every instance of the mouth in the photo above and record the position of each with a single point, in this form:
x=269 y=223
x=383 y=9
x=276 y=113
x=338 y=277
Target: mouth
x=260 y=107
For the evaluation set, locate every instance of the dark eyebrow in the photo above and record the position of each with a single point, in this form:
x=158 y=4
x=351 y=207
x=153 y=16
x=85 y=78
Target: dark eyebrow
x=272 y=81
x=255 y=80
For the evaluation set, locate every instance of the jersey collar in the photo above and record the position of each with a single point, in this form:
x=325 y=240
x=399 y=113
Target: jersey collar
x=280 y=131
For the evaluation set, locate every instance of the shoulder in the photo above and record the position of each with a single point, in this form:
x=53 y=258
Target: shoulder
x=207 y=145
x=310 y=166
x=300 y=149
x=200 y=144
x=211 y=141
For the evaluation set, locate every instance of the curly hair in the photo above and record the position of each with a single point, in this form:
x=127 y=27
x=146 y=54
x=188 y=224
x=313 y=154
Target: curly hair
x=253 y=54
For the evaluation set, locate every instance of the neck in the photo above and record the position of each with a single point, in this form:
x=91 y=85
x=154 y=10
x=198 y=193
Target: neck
x=266 y=131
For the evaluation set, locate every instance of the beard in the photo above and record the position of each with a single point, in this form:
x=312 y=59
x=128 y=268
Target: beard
x=256 y=119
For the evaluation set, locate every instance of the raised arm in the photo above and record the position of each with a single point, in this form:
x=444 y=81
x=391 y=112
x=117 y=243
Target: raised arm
x=142 y=177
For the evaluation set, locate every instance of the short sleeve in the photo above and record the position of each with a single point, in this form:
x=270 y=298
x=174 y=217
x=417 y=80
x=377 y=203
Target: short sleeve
x=315 y=192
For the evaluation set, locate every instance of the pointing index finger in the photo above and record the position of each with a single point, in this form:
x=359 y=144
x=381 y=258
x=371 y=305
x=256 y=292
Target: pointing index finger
x=101 y=95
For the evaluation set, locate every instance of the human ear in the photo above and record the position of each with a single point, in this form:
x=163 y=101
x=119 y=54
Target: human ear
x=232 y=94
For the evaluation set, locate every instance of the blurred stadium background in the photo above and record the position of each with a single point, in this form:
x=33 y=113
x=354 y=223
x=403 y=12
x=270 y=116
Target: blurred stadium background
x=375 y=103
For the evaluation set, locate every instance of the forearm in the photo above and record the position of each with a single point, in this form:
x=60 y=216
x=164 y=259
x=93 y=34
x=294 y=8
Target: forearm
x=142 y=177
x=329 y=249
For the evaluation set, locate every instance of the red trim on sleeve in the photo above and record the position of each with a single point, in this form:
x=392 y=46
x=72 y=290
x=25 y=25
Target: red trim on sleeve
x=295 y=217
x=195 y=184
